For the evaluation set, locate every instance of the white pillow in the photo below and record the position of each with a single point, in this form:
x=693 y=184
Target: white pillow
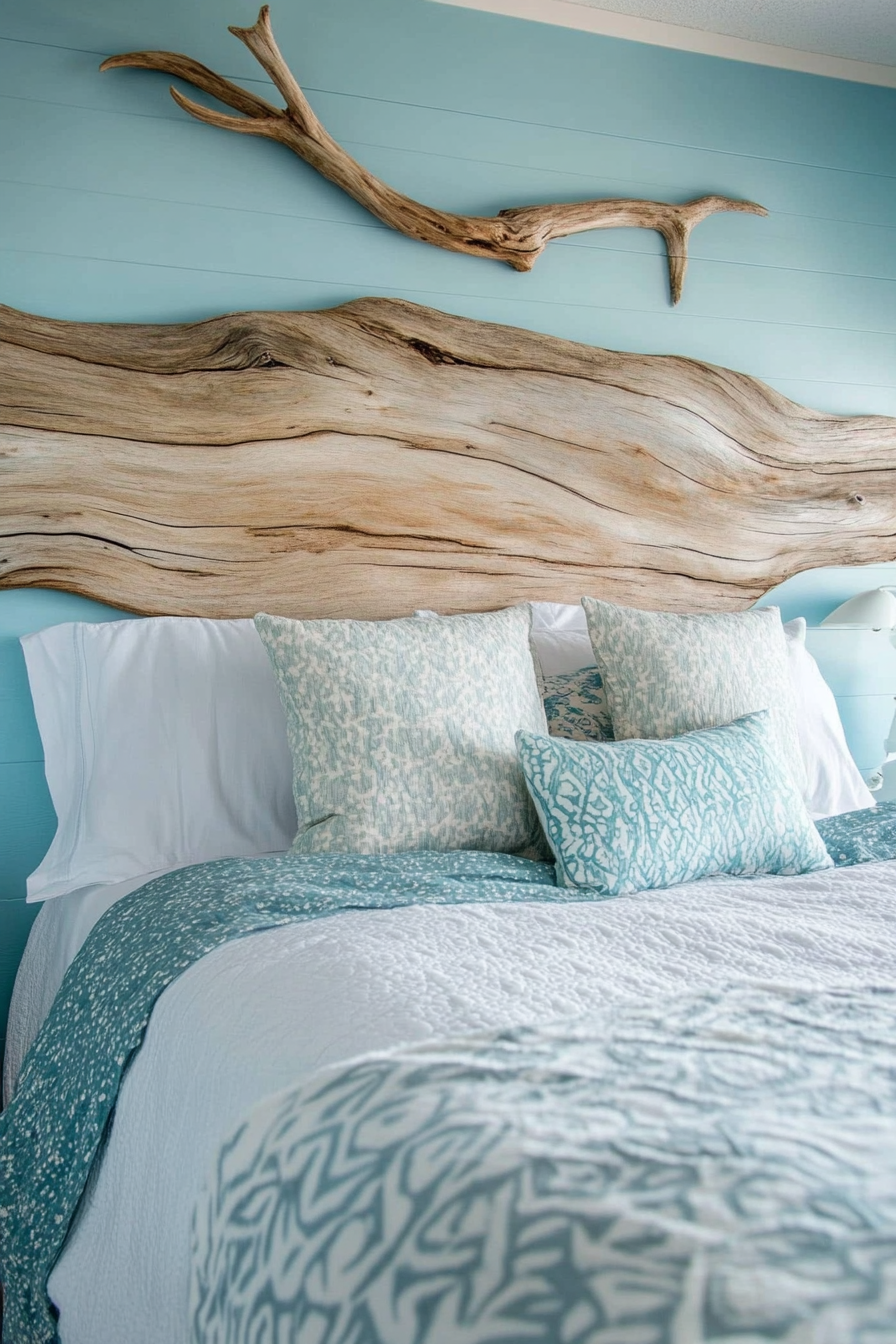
x=560 y=643
x=835 y=784
x=559 y=639
x=165 y=744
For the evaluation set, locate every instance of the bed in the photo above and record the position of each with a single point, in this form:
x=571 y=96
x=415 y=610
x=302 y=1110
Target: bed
x=221 y=1018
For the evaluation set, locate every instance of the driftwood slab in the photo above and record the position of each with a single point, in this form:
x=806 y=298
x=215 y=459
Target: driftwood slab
x=380 y=457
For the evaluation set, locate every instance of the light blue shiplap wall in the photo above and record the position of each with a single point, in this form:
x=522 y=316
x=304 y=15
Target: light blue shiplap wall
x=114 y=205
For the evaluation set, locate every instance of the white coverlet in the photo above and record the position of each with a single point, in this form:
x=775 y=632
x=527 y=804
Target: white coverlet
x=264 y=1011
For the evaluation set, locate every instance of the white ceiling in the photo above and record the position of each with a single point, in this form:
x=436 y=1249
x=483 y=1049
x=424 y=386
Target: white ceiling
x=845 y=39
x=859 y=30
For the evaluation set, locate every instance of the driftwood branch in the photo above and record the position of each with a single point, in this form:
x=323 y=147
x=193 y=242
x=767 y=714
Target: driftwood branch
x=517 y=237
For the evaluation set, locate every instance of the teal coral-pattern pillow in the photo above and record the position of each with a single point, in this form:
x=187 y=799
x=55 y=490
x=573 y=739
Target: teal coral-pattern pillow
x=575 y=705
x=628 y=816
x=666 y=674
x=402 y=732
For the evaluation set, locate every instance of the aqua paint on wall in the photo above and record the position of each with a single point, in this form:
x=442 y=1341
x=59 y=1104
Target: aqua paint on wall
x=118 y=206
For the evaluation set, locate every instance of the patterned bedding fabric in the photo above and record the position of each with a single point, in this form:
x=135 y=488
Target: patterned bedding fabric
x=71 y=1076
x=575 y=705
x=720 y=1167
x=52 y=1132
x=866 y=836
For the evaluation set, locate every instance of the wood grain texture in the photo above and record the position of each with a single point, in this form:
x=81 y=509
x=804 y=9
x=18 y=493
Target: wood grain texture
x=379 y=457
x=517 y=236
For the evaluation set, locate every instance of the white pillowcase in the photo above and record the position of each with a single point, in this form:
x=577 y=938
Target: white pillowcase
x=835 y=784
x=164 y=743
x=559 y=639
x=560 y=643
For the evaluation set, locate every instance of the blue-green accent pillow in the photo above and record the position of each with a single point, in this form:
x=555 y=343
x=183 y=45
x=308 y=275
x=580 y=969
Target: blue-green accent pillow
x=627 y=816
x=575 y=705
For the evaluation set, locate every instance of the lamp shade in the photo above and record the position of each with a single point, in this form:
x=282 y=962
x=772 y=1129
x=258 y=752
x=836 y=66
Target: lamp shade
x=874 y=610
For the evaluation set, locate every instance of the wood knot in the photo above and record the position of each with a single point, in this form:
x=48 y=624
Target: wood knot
x=856 y=499
x=431 y=352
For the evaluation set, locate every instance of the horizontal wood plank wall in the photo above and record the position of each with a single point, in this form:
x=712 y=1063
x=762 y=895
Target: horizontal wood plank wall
x=114 y=205
x=117 y=206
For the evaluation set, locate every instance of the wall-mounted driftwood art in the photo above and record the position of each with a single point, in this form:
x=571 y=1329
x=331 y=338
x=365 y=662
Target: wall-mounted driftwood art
x=380 y=457
x=516 y=236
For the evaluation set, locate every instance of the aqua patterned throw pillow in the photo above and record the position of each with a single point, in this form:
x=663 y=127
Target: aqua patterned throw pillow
x=575 y=705
x=402 y=732
x=628 y=816
x=666 y=674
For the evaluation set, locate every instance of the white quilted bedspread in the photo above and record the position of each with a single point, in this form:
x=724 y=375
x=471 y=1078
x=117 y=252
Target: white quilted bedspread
x=263 y=1012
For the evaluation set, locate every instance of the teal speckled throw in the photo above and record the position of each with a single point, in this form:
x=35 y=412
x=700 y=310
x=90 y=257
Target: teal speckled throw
x=53 y=1128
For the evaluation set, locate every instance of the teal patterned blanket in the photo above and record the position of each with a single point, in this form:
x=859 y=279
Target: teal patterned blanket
x=52 y=1132
x=715 y=1169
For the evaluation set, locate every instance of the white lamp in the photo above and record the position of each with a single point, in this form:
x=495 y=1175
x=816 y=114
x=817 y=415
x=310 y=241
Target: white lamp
x=874 y=610
x=856 y=650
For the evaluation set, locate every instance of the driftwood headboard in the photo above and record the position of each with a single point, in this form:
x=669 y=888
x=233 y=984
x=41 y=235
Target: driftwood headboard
x=380 y=456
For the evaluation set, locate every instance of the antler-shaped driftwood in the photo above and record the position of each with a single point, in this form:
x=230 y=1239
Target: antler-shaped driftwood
x=517 y=236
